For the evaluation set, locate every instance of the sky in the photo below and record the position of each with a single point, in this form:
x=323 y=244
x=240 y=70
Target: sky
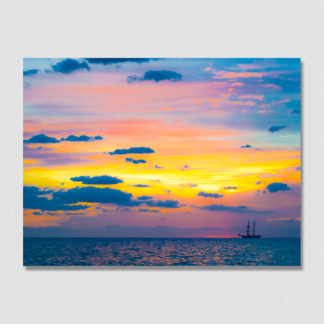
x=139 y=147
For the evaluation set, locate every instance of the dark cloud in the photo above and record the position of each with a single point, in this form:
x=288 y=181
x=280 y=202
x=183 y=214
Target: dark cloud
x=146 y=210
x=81 y=138
x=232 y=209
x=277 y=186
x=35 y=191
x=95 y=195
x=258 y=182
x=230 y=188
x=69 y=66
x=274 y=129
x=144 y=198
x=42 y=138
x=163 y=203
x=156 y=76
x=141 y=186
x=158 y=167
x=133 y=150
x=246 y=146
x=31 y=72
x=32 y=200
x=98 y=180
x=135 y=161
x=210 y=195
x=107 y=61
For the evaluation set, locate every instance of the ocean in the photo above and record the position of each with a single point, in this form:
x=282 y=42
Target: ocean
x=161 y=252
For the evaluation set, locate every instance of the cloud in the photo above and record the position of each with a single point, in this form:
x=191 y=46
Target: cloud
x=107 y=61
x=163 y=203
x=243 y=103
x=249 y=96
x=31 y=72
x=135 y=161
x=230 y=188
x=42 y=138
x=273 y=129
x=144 y=198
x=146 y=210
x=35 y=191
x=246 y=146
x=158 y=167
x=98 y=180
x=258 y=182
x=95 y=195
x=272 y=86
x=32 y=200
x=277 y=186
x=82 y=138
x=141 y=186
x=133 y=150
x=157 y=76
x=69 y=66
x=209 y=195
x=234 y=75
x=232 y=209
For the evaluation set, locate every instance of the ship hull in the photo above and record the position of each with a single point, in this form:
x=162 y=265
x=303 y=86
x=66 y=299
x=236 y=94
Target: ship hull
x=250 y=236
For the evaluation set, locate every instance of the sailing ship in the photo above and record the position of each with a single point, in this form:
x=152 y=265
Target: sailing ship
x=247 y=236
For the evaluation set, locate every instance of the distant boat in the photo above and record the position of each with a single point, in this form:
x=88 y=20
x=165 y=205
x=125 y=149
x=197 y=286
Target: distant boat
x=248 y=236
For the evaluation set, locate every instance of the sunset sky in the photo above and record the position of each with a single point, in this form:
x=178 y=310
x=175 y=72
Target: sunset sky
x=161 y=147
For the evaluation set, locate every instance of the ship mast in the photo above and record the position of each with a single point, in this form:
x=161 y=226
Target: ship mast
x=248 y=229
x=253 y=227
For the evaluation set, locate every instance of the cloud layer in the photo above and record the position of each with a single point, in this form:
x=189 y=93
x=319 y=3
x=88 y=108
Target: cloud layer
x=274 y=129
x=134 y=161
x=68 y=66
x=277 y=186
x=42 y=139
x=133 y=150
x=107 y=61
x=98 y=180
x=209 y=195
x=156 y=76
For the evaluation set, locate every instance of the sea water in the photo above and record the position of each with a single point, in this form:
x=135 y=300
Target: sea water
x=161 y=252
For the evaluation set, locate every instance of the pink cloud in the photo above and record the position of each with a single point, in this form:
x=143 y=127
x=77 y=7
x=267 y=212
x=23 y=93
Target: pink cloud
x=234 y=75
x=272 y=86
x=243 y=103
